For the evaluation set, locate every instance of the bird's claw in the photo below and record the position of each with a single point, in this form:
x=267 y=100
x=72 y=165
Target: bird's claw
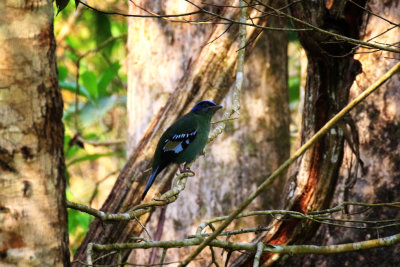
x=185 y=169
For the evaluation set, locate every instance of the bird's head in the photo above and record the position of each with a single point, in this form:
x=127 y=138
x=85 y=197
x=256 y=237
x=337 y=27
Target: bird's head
x=206 y=107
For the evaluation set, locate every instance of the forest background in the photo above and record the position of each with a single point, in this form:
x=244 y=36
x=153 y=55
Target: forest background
x=124 y=80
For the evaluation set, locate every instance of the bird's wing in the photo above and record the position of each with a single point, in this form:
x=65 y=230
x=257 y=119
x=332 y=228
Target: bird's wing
x=179 y=135
x=174 y=140
x=179 y=141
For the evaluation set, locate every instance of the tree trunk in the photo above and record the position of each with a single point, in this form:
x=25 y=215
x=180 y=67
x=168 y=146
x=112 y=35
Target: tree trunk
x=32 y=200
x=208 y=75
x=159 y=54
x=251 y=147
x=330 y=73
x=376 y=121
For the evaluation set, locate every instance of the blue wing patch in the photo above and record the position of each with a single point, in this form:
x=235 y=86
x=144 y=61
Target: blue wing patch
x=178 y=142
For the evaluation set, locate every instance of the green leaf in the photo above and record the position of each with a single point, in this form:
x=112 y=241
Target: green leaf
x=103 y=31
x=91 y=112
x=107 y=77
x=75 y=43
x=78 y=219
x=71 y=86
x=93 y=157
x=62 y=73
x=61 y=4
x=89 y=80
x=294 y=88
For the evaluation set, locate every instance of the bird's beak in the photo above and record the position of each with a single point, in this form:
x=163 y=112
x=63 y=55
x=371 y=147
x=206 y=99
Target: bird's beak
x=215 y=108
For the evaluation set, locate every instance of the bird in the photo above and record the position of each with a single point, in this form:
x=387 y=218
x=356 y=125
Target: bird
x=183 y=140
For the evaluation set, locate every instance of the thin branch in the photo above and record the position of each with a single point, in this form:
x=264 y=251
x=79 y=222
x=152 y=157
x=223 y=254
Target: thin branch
x=101 y=143
x=267 y=182
x=69 y=24
x=164 y=253
x=235 y=108
x=244 y=23
x=213 y=259
x=260 y=248
x=338 y=36
x=94 y=193
x=140 y=16
x=237 y=232
x=253 y=247
x=231 y=246
x=78 y=62
x=137 y=211
x=372 y=13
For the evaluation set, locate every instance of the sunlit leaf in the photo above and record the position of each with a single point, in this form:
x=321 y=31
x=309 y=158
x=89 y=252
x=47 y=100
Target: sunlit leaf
x=74 y=42
x=294 y=88
x=90 y=112
x=71 y=86
x=89 y=80
x=78 y=219
x=107 y=77
x=62 y=73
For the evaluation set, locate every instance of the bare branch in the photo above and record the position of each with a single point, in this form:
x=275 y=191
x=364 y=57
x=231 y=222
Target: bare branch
x=288 y=162
x=140 y=16
x=260 y=248
x=253 y=247
x=338 y=36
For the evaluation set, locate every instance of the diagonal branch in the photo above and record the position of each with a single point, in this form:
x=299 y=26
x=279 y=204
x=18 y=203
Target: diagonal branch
x=296 y=155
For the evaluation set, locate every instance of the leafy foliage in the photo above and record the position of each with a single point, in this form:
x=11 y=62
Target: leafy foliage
x=91 y=105
x=61 y=4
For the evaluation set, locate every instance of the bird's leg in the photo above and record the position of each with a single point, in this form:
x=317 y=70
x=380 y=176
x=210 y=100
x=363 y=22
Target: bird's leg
x=185 y=169
x=180 y=167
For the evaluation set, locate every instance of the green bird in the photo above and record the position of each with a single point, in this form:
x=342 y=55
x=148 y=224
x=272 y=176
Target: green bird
x=183 y=140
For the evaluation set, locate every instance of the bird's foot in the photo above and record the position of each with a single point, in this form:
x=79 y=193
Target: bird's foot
x=185 y=169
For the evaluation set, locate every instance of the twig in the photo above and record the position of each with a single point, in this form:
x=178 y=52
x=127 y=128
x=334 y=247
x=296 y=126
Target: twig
x=78 y=62
x=102 y=143
x=239 y=77
x=244 y=23
x=253 y=247
x=237 y=232
x=213 y=259
x=228 y=114
x=164 y=253
x=338 y=36
x=167 y=198
x=140 y=16
x=260 y=248
x=267 y=182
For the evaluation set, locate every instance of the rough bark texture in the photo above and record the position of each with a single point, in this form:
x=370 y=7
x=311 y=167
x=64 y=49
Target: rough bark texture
x=377 y=122
x=159 y=53
x=234 y=164
x=33 y=217
x=329 y=78
x=209 y=75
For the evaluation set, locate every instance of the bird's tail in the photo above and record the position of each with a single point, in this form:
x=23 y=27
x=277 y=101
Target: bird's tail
x=151 y=179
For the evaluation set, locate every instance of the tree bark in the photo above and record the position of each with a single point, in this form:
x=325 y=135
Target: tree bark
x=252 y=146
x=209 y=75
x=32 y=200
x=330 y=73
x=159 y=54
x=376 y=121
